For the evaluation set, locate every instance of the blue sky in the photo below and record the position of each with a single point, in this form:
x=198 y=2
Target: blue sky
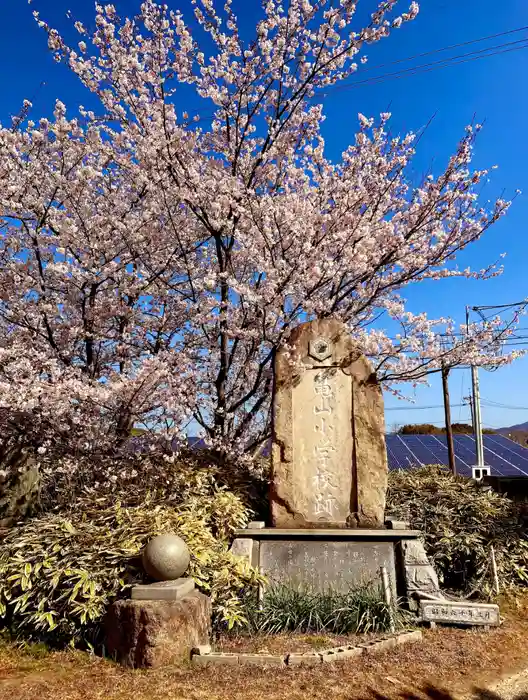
x=493 y=89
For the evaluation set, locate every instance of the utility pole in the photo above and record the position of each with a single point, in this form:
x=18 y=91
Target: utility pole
x=469 y=399
x=475 y=407
x=447 y=412
x=477 y=418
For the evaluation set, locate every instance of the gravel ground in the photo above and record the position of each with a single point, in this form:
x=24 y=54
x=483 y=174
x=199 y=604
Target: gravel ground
x=513 y=687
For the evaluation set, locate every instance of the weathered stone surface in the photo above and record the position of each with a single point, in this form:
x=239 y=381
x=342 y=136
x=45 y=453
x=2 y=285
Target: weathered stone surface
x=421 y=578
x=154 y=633
x=163 y=590
x=166 y=557
x=414 y=553
x=460 y=613
x=329 y=463
x=247 y=548
x=326 y=564
x=396 y=524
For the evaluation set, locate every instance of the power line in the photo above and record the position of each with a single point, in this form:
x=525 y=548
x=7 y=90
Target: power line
x=496 y=404
x=445 y=48
x=426 y=68
x=419 y=408
x=524 y=302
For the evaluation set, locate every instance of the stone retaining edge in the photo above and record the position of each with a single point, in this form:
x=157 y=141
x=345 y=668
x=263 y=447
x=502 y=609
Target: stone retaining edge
x=203 y=656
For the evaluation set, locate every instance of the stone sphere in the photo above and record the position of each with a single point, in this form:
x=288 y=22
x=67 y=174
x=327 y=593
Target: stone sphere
x=166 y=557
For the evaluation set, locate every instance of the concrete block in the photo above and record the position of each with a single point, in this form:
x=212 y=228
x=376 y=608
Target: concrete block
x=376 y=645
x=332 y=655
x=262 y=659
x=409 y=636
x=216 y=658
x=256 y=525
x=384 y=644
x=308 y=659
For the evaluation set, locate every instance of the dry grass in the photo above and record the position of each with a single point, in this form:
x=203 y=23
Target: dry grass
x=284 y=643
x=453 y=659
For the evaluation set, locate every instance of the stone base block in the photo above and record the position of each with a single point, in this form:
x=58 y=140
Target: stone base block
x=163 y=590
x=154 y=633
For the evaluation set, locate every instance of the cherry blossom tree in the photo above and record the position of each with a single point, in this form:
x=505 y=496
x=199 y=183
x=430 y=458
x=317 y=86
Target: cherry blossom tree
x=153 y=259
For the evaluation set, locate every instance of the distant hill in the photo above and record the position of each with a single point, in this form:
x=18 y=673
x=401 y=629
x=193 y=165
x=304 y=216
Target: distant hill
x=427 y=429
x=514 y=428
x=517 y=433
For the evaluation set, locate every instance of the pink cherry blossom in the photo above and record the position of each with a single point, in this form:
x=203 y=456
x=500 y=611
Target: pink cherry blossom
x=153 y=259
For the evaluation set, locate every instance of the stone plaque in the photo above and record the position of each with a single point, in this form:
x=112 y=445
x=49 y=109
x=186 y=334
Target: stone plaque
x=460 y=612
x=329 y=462
x=324 y=564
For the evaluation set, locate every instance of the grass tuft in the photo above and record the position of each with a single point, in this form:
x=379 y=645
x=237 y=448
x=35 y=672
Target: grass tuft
x=290 y=608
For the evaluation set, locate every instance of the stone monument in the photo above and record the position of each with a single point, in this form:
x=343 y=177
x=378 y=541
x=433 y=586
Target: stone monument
x=329 y=462
x=329 y=469
x=329 y=480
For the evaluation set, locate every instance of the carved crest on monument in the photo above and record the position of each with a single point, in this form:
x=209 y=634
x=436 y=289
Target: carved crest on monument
x=320 y=349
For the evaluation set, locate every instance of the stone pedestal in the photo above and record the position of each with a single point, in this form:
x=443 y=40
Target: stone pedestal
x=163 y=590
x=155 y=633
x=337 y=559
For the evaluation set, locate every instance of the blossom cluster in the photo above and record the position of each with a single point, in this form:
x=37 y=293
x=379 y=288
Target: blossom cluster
x=152 y=262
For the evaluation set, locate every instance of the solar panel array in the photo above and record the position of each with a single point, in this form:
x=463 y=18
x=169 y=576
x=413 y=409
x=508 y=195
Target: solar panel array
x=502 y=455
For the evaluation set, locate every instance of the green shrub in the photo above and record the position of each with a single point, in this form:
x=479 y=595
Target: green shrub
x=461 y=520
x=287 y=608
x=59 y=572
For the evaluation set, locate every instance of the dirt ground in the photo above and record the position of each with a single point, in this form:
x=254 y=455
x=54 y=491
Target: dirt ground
x=454 y=660
x=513 y=688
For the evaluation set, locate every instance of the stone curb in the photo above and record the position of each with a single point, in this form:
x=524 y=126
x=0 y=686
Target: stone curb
x=203 y=656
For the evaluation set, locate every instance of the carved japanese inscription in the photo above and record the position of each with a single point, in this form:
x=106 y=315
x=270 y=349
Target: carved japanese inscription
x=326 y=565
x=322 y=443
x=328 y=451
x=460 y=612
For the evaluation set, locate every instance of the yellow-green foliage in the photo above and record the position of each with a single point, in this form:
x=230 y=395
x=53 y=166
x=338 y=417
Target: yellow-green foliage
x=461 y=520
x=59 y=572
